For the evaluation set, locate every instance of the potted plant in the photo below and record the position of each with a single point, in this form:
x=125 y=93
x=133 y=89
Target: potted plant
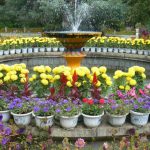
x=117 y=108
x=92 y=111
x=140 y=108
x=21 y=110
x=4 y=111
x=68 y=110
x=43 y=112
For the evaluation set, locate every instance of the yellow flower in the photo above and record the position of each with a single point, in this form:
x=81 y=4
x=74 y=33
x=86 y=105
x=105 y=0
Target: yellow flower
x=48 y=69
x=43 y=76
x=98 y=84
x=127 y=88
x=6 y=78
x=34 y=76
x=119 y=73
x=78 y=84
x=132 y=82
x=14 y=77
x=121 y=87
x=56 y=77
x=44 y=82
x=1 y=82
x=23 y=80
x=102 y=69
x=115 y=77
x=69 y=84
x=109 y=83
x=24 y=71
x=95 y=70
x=1 y=75
x=49 y=76
x=31 y=79
x=22 y=75
x=143 y=76
x=104 y=76
x=23 y=65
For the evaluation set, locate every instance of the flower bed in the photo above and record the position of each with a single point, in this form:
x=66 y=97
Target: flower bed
x=65 y=94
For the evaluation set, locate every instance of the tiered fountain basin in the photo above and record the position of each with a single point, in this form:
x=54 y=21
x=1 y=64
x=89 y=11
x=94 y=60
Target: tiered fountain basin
x=73 y=42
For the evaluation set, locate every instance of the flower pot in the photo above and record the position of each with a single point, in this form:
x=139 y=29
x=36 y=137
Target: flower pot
x=55 y=49
x=22 y=119
x=104 y=49
x=1 y=52
x=30 y=50
x=61 y=49
x=92 y=121
x=139 y=119
x=42 y=49
x=116 y=50
x=140 y=52
x=24 y=50
x=128 y=51
x=69 y=122
x=48 y=49
x=36 y=50
x=146 y=52
x=12 y=51
x=86 y=49
x=18 y=51
x=6 y=115
x=121 y=50
x=92 y=49
x=99 y=49
x=110 y=49
x=133 y=51
x=6 y=52
x=44 y=122
x=116 y=120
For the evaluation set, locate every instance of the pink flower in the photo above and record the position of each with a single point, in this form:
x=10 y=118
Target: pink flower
x=105 y=146
x=80 y=143
x=148 y=86
x=141 y=92
x=132 y=93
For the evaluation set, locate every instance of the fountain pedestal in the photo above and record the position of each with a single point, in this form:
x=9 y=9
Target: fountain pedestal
x=73 y=42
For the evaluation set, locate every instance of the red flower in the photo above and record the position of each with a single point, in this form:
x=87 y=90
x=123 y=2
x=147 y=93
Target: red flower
x=141 y=91
x=85 y=100
x=90 y=102
x=95 y=80
x=101 y=101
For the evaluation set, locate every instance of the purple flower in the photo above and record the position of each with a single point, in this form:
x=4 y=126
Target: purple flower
x=26 y=98
x=11 y=106
x=1 y=127
x=68 y=108
x=58 y=110
x=65 y=101
x=36 y=108
x=19 y=105
x=146 y=106
x=4 y=141
x=140 y=100
x=75 y=102
x=126 y=101
x=1 y=117
x=17 y=100
x=20 y=131
x=18 y=147
x=46 y=109
x=136 y=106
x=7 y=131
x=80 y=143
x=114 y=106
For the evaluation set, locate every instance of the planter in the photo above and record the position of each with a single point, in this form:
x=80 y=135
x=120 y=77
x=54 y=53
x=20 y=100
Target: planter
x=99 y=49
x=121 y=50
x=55 y=49
x=133 y=51
x=48 y=49
x=86 y=49
x=92 y=49
x=139 y=119
x=30 y=50
x=1 y=52
x=69 y=122
x=22 y=119
x=110 y=49
x=44 y=122
x=128 y=51
x=18 y=51
x=24 y=50
x=6 y=52
x=116 y=120
x=140 y=52
x=61 y=49
x=35 y=49
x=92 y=121
x=104 y=49
x=116 y=50
x=12 y=51
x=42 y=49
x=6 y=115
x=146 y=52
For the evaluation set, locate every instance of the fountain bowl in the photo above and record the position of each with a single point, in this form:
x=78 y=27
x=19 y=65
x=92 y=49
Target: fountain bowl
x=72 y=41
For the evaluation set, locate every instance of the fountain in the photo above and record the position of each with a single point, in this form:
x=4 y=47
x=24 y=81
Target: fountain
x=74 y=40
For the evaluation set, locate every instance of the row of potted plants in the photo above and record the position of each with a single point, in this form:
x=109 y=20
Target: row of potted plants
x=104 y=42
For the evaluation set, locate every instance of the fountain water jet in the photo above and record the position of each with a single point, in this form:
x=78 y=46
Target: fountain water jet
x=74 y=40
